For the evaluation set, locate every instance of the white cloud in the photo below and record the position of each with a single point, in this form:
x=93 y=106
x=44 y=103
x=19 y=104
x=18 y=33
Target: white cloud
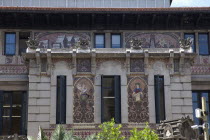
x=190 y=3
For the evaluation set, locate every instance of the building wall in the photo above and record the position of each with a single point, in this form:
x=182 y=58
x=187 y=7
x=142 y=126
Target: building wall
x=88 y=3
x=178 y=85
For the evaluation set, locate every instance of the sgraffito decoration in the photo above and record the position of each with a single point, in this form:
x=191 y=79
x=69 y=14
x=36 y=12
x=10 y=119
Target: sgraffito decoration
x=83 y=65
x=60 y=40
x=83 y=100
x=137 y=65
x=138 y=100
x=154 y=40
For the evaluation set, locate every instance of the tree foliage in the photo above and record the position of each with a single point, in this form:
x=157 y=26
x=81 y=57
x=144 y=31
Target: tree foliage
x=145 y=134
x=110 y=131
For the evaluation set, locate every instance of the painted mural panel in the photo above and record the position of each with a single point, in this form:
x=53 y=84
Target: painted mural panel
x=83 y=100
x=60 y=39
x=154 y=40
x=138 y=100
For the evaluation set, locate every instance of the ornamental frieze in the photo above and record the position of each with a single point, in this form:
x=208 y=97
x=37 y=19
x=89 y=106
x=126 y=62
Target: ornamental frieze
x=60 y=40
x=154 y=40
x=13 y=70
x=138 y=111
x=83 y=100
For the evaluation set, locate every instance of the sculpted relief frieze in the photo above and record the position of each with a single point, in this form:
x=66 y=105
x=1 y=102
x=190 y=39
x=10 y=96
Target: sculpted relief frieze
x=154 y=40
x=60 y=40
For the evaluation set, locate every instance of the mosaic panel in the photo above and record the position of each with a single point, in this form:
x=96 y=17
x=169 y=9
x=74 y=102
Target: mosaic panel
x=83 y=65
x=60 y=39
x=154 y=40
x=138 y=100
x=13 y=69
x=83 y=100
x=137 y=65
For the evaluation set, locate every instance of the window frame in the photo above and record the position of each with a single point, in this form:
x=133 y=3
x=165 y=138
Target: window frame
x=23 y=120
x=95 y=40
x=208 y=43
x=117 y=97
x=62 y=107
x=6 y=43
x=120 y=39
x=157 y=98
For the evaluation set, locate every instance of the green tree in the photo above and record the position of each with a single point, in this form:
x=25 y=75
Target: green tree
x=145 y=134
x=110 y=131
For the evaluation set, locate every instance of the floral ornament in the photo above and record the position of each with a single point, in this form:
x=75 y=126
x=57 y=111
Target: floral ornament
x=32 y=43
x=136 y=44
x=83 y=44
x=186 y=43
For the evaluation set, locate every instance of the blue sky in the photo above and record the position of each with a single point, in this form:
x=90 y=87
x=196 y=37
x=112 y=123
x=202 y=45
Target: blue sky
x=190 y=3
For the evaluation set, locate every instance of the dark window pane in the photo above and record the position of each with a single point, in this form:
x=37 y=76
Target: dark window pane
x=203 y=44
x=109 y=92
x=16 y=111
x=16 y=125
x=6 y=111
x=111 y=105
x=109 y=109
x=108 y=82
x=23 y=37
x=17 y=98
x=61 y=100
x=99 y=41
x=10 y=44
x=159 y=98
x=7 y=99
x=5 y=125
x=116 y=41
x=193 y=37
x=12 y=113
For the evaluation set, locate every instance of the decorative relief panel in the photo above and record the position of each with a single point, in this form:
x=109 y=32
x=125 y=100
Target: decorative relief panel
x=201 y=65
x=60 y=39
x=83 y=100
x=137 y=65
x=154 y=40
x=7 y=69
x=138 y=100
x=83 y=65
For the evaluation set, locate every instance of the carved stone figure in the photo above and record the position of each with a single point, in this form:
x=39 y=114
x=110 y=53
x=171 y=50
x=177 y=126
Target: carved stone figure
x=32 y=43
x=83 y=44
x=186 y=43
x=136 y=44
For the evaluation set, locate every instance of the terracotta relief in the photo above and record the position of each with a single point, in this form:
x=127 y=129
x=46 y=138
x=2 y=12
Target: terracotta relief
x=137 y=65
x=60 y=39
x=154 y=40
x=83 y=65
x=138 y=100
x=83 y=100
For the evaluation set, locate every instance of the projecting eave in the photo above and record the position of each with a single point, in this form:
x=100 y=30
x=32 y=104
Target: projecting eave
x=110 y=53
x=105 y=18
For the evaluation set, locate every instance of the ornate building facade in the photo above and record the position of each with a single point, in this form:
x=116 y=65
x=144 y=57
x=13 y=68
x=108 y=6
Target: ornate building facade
x=84 y=66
